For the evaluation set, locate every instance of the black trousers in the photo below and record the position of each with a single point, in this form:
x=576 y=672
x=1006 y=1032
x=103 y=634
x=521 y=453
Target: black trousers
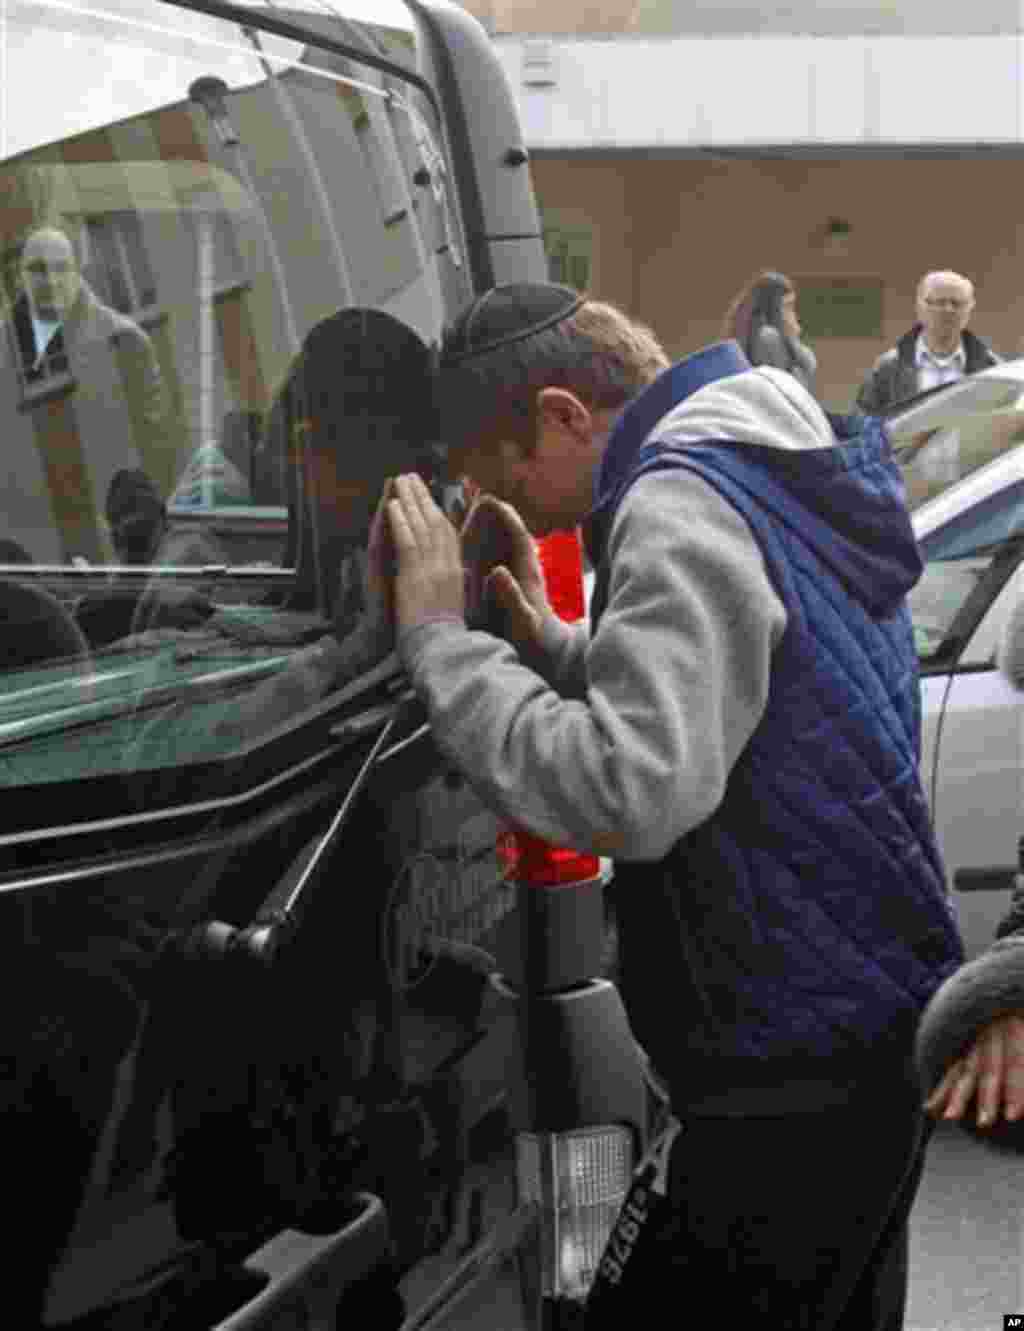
x=795 y=1223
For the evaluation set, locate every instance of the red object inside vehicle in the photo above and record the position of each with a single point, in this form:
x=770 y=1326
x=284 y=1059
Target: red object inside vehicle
x=528 y=858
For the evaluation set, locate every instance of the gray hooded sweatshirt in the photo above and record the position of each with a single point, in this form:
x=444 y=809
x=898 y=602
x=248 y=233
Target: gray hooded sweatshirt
x=621 y=743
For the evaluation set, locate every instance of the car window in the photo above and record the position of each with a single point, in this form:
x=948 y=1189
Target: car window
x=958 y=557
x=220 y=286
x=937 y=459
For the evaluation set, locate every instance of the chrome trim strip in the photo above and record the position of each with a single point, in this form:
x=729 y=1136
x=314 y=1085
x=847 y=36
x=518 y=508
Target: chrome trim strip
x=110 y=708
x=123 y=864
x=178 y=811
x=377 y=675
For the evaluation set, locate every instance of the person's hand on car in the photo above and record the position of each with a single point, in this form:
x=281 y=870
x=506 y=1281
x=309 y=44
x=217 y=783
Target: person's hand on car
x=504 y=576
x=430 y=581
x=992 y=1069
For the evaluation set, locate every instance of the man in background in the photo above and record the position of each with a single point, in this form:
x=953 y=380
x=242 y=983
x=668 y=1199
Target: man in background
x=57 y=316
x=937 y=350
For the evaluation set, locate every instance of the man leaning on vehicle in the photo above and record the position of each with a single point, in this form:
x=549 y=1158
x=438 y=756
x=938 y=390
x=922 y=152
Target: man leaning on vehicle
x=937 y=350
x=741 y=733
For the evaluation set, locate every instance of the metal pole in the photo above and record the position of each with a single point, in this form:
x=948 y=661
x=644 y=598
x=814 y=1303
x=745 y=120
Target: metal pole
x=207 y=429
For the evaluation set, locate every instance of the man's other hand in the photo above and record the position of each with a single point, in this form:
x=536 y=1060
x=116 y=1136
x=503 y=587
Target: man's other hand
x=504 y=574
x=429 y=582
x=993 y=1068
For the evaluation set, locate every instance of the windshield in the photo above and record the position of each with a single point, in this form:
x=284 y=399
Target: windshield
x=967 y=557
x=934 y=459
x=225 y=257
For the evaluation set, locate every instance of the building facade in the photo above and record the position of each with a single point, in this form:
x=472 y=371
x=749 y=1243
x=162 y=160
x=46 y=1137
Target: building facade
x=678 y=148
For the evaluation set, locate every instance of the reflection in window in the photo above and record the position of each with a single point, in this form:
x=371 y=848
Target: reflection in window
x=114 y=255
x=570 y=254
x=237 y=551
x=370 y=121
x=956 y=558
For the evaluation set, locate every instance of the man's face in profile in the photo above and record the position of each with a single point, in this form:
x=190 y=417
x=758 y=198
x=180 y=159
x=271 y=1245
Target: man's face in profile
x=49 y=273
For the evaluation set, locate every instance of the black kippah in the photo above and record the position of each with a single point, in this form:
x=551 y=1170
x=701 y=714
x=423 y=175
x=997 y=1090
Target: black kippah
x=507 y=314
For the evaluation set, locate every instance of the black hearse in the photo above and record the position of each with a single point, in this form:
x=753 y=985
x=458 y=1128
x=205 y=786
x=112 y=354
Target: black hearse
x=259 y=1054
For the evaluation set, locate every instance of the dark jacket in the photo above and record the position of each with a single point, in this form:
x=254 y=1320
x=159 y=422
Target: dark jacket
x=893 y=378
x=781 y=954
x=108 y=355
x=769 y=346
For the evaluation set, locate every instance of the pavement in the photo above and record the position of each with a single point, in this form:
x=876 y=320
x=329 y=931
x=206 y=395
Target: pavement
x=966 y=1237
x=966 y=1247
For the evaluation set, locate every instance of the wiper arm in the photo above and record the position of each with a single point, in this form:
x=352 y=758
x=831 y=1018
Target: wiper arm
x=278 y=918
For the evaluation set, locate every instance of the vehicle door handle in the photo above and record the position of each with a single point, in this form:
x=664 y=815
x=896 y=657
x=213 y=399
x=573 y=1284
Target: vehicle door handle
x=993 y=878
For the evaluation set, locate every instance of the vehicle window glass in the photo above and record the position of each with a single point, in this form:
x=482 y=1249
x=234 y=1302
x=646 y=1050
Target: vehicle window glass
x=956 y=557
x=938 y=459
x=188 y=491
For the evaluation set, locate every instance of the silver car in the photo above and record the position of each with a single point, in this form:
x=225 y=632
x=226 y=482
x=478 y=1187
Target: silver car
x=963 y=461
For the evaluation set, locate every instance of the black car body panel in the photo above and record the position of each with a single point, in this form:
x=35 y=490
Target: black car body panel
x=257 y=1064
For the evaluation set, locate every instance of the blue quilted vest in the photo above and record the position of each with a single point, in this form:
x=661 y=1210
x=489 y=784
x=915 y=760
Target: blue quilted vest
x=777 y=960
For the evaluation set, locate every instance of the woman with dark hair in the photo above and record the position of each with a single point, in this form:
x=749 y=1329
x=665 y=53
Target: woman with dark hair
x=763 y=320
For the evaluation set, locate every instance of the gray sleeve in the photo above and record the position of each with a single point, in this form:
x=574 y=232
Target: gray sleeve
x=677 y=680
x=564 y=661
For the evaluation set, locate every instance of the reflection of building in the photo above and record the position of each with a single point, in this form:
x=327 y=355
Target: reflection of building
x=199 y=241
x=683 y=145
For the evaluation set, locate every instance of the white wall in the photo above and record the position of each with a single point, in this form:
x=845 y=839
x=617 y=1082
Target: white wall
x=694 y=92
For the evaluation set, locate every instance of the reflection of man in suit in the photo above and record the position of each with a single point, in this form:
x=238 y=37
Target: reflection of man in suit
x=58 y=314
x=50 y=286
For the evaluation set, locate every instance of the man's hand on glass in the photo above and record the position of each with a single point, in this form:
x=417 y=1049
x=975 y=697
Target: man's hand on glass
x=992 y=1069
x=505 y=584
x=429 y=580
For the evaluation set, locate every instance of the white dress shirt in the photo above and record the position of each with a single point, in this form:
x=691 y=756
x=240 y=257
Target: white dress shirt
x=43 y=330
x=939 y=460
x=934 y=370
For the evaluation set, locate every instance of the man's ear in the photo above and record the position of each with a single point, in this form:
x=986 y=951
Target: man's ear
x=561 y=408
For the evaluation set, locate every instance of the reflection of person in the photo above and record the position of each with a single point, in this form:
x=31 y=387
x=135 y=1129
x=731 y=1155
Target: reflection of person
x=136 y=516
x=356 y=406
x=58 y=316
x=141 y=535
x=763 y=320
x=740 y=732
x=938 y=349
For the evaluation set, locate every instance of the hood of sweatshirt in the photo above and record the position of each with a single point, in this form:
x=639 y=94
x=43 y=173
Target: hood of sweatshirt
x=832 y=476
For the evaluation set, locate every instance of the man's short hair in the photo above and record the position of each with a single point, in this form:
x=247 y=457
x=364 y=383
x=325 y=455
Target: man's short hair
x=943 y=275
x=596 y=352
